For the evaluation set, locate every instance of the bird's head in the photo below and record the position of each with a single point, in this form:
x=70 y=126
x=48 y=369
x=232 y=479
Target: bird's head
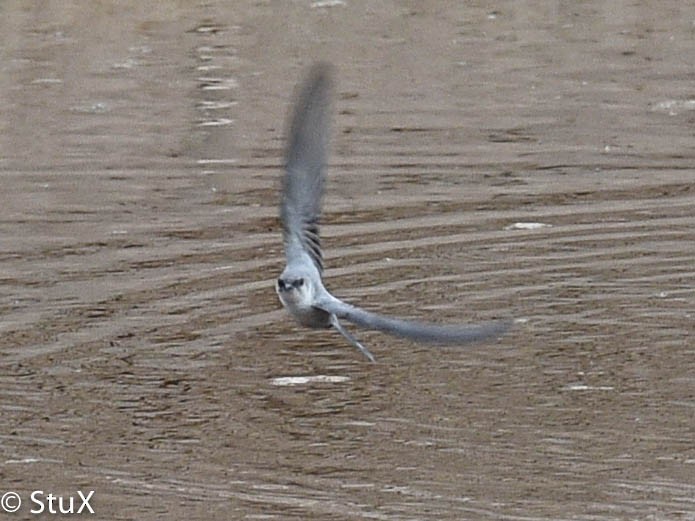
x=297 y=290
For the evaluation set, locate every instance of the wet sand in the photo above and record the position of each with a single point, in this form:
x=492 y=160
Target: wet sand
x=144 y=353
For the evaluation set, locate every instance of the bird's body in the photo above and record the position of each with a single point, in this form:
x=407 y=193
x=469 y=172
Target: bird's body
x=299 y=299
x=300 y=286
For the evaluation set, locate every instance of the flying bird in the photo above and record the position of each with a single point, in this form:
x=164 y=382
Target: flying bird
x=300 y=286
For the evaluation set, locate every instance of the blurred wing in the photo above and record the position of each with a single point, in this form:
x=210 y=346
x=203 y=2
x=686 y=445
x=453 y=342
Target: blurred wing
x=306 y=156
x=417 y=331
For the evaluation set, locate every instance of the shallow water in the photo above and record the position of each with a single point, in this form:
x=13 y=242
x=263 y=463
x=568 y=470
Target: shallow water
x=532 y=160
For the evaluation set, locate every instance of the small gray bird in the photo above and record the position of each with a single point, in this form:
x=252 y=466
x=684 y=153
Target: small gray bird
x=300 y=287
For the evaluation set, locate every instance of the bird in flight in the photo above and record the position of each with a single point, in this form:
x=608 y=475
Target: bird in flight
x=300 y=286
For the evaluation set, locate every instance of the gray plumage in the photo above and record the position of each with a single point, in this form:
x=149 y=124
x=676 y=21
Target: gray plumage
x=300 y=287
x=306 y=156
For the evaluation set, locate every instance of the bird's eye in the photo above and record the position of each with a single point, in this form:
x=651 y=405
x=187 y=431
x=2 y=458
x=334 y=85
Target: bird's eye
x=300 y=283
x=281 y=284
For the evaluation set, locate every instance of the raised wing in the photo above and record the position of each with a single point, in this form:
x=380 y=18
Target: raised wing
x=412 y=330
x=308 y=136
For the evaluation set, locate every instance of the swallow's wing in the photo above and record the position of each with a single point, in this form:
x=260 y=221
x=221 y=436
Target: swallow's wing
x=308 y=135
x=412 y=330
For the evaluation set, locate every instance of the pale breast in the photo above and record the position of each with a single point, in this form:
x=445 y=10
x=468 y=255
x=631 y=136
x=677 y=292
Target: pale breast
x=313 y=317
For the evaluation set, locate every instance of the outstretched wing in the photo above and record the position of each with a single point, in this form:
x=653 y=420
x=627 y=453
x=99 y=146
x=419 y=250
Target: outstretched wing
x=418 y=331
x=308 y=135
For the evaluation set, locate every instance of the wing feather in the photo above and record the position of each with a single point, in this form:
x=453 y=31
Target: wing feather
x=308 y=136
x=413 y=330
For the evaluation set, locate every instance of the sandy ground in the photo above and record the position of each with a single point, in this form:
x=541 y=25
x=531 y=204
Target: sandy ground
x=143 y=352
